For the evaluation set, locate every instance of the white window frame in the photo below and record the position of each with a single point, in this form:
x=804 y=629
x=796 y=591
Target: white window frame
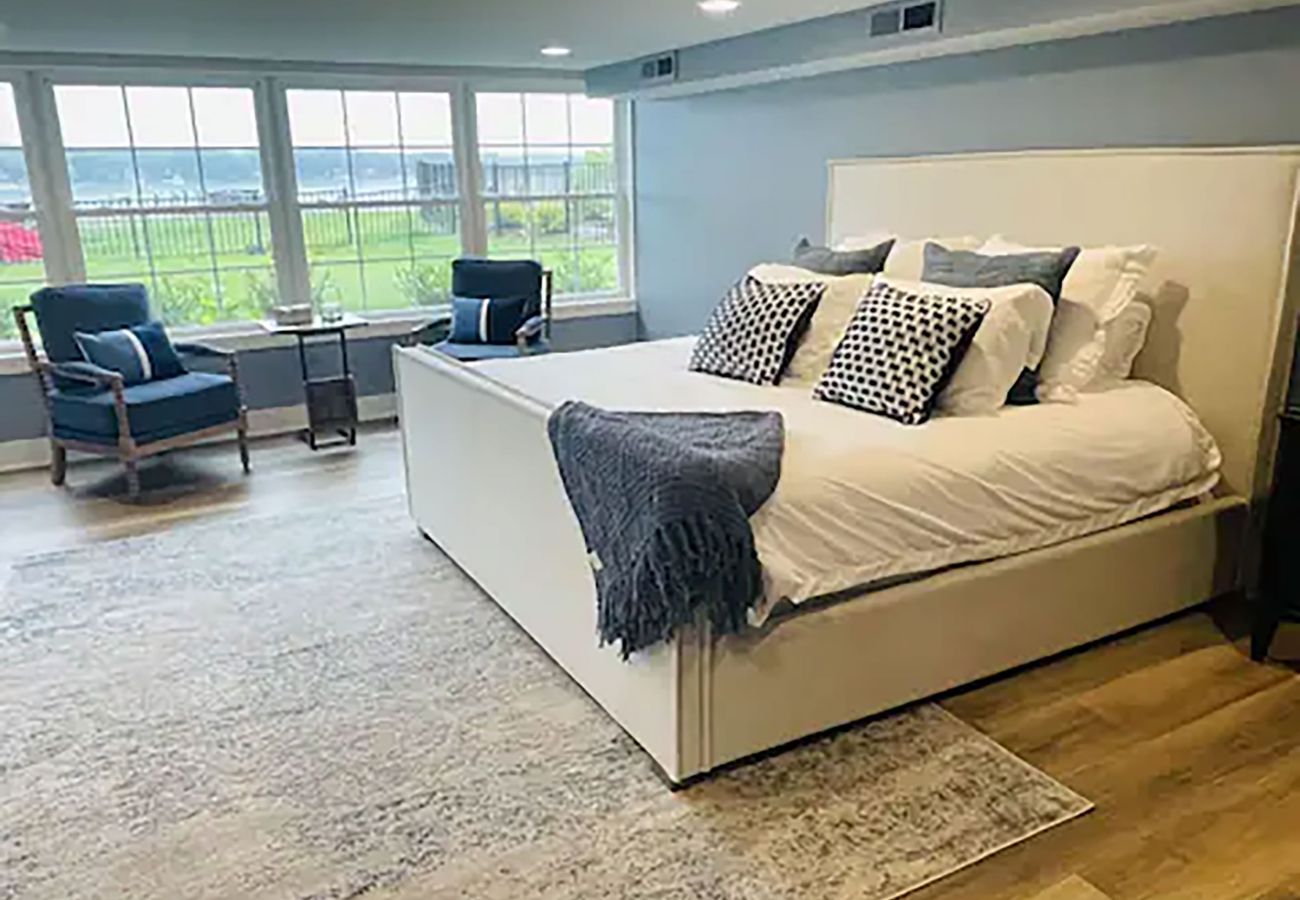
x=70 y=239
x=47 y=171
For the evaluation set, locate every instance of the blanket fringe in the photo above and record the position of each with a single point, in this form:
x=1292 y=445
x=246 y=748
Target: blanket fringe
x=714 y=570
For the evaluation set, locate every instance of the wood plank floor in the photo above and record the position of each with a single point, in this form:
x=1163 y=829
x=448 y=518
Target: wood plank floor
x=1190 y=751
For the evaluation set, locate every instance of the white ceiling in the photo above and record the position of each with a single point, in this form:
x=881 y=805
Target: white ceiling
x=429 y=32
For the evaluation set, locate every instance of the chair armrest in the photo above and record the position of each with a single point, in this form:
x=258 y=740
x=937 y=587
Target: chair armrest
x=529 y=331
x=190 y=348
x=413 y=338
x=86 y=373
x=532 y=328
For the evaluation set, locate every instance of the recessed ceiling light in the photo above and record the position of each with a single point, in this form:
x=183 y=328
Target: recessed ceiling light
x=718 y=7
x=556 y=50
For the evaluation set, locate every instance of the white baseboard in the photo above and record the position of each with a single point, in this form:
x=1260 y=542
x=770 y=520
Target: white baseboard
x=34 y=453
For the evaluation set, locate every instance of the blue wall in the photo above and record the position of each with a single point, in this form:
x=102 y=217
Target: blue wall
x=271 y=377
x=729 y=179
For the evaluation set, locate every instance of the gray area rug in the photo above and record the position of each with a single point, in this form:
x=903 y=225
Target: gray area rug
x=326 y=707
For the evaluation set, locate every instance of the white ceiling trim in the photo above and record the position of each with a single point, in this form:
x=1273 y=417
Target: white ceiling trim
x=1148 y=16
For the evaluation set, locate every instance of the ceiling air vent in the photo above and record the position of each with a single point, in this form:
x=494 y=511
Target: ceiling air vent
x=904 y=18
x=659 y=69
x=886 y=21
x=920 y=15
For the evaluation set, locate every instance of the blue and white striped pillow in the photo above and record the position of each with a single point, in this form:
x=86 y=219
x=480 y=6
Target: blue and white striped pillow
x=487 y=321
x=140 y=353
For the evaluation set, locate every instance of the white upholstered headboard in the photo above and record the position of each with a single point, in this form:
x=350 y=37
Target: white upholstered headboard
x=1223 y=290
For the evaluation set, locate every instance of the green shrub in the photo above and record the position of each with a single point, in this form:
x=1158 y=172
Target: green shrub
x=187 y=300
x=508 y=214
x=424 y=284
x=550 y=217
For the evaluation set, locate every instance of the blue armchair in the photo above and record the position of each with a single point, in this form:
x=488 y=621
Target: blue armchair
x=493 y=279
x=93 y=410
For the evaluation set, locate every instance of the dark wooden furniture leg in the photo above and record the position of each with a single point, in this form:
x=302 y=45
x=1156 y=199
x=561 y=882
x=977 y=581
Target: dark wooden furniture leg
x=1280 y=575
x=232 y=363
x=347 y=377
x=58 y=463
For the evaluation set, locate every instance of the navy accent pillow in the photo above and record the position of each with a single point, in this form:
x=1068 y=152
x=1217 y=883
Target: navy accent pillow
x=481 y=320
x=963 y=268
x=825 y=261
x=139 y=353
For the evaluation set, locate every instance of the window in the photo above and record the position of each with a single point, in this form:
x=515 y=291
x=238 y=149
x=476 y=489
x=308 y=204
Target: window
x=549 y=183
x=22 y=268
x=196 y=185
x=167 y=189
x=378 y=193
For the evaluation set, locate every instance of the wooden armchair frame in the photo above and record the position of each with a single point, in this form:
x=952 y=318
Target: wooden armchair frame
x=540 y=324
x=127 y=449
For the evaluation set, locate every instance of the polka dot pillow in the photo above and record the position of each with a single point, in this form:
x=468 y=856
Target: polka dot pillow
x=755 y=329
x=899 y=351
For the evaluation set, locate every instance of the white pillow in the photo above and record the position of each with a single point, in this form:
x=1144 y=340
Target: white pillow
x=906 y=258
x=829 y=322
x=1003 y=347
x=1099 y=286
x=1126 y=334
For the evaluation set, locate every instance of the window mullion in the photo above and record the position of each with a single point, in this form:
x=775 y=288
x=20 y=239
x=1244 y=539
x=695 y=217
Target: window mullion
x=139 y=197
x=207 y=213
x=572 y=210
x=280 y=184
x=624 y=187
x=464 y=127
x=47 y=173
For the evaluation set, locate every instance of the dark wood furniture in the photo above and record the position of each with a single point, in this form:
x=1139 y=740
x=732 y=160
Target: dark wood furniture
x=331 y=399
x=1279 y=599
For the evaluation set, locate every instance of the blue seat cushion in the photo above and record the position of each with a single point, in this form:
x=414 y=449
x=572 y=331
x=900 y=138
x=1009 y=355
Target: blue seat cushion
x=63 y=311
x=156 y=410
x=472 y=352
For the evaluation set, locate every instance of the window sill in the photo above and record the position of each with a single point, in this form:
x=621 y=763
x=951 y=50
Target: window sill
x=247 y=336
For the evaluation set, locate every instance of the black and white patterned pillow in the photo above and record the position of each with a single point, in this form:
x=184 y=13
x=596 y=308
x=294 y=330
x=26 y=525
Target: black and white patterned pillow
x=755 y=329
x=899 y=351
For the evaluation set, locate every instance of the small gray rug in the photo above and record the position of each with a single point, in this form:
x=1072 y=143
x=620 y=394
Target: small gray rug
x=324 y=706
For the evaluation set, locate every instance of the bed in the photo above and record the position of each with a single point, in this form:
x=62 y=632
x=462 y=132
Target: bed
x=1130 y=506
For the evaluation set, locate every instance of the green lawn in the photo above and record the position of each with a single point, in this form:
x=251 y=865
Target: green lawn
x=406 y=257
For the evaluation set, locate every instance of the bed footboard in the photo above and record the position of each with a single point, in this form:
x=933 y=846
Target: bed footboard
x=483 y=485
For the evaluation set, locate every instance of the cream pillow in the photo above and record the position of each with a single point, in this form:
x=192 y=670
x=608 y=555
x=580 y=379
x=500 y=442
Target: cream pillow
x=1004 y=345
x=1126 y=334
x=1099 y=286
x=906 y=259
x=829 y=322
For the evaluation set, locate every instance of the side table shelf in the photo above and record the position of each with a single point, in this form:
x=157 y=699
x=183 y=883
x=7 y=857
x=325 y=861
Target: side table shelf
x=332 y=399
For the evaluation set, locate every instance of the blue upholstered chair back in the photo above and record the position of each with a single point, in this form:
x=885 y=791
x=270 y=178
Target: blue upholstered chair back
x=499 y=279
x=61 y=311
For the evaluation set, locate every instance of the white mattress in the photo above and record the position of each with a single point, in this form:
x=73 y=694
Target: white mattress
x=862 y=498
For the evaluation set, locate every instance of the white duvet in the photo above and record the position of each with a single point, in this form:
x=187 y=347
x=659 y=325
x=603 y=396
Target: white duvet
x=862 y=498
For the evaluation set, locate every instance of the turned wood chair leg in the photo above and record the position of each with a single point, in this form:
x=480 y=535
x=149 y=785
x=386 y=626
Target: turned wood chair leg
x=243 y=448
x=58 y=464
x=132 y=479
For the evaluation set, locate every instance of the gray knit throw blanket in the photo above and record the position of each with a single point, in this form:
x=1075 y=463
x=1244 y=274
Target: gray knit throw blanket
x=664 y=501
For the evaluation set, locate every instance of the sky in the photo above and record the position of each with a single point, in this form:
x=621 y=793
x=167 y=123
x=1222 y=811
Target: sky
x=8 y=118
x=93 y=116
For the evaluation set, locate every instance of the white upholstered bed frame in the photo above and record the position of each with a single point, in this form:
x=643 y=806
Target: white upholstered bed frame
x=483 y=485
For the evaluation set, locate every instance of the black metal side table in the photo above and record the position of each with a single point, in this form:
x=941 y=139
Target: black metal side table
x=331 y=400
x=1280 y=582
